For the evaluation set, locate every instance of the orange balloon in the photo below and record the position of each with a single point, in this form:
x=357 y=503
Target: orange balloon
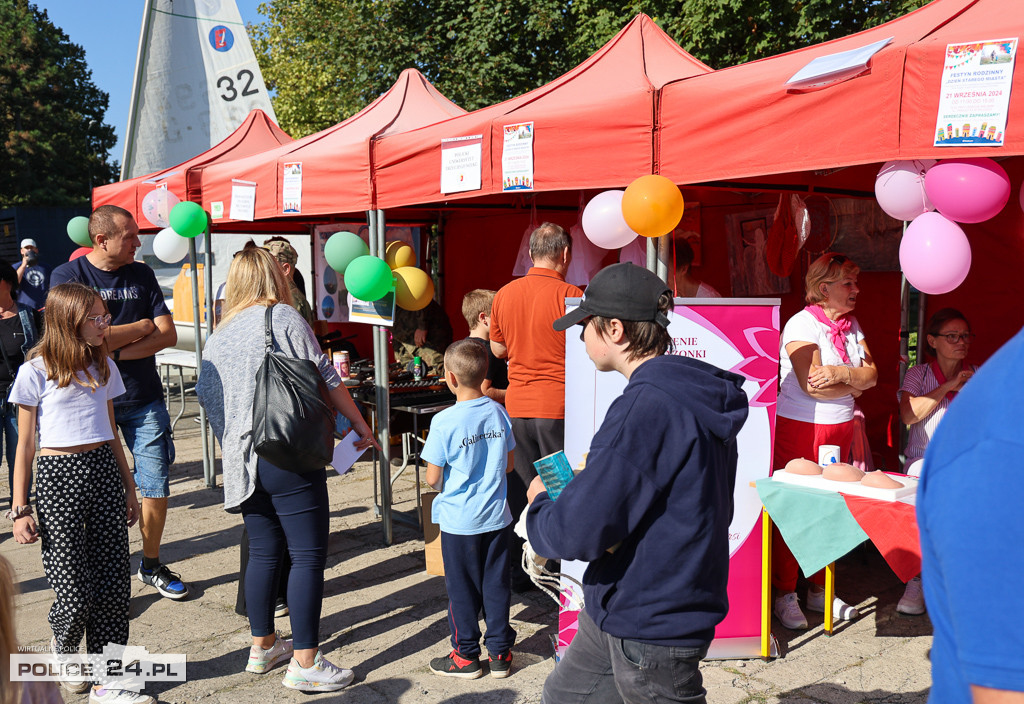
x=652 y=206
x=398 y=254
x=413 y=288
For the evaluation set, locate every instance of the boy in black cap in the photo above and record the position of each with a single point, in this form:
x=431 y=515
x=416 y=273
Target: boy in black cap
x=651 y=511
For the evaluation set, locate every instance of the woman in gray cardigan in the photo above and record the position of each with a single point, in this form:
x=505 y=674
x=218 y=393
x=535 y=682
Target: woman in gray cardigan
x=280 y=508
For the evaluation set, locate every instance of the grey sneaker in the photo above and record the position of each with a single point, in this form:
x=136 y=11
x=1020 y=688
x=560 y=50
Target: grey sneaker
x=323 y=676
x=261 y=660
x=69 y=680
x=119 y=696
x=912 y=601
x=787 y=610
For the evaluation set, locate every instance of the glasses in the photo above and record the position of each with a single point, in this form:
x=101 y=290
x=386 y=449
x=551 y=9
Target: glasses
x=838 y=259
x=955 y=337
x=100 y=321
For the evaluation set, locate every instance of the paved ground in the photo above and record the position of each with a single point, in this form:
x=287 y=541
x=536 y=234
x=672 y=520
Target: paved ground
x=384 y=617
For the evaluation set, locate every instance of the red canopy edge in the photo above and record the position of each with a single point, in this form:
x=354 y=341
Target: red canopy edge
x=256 y=133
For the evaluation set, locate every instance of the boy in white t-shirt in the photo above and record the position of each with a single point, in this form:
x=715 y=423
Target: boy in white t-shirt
x=468 y=453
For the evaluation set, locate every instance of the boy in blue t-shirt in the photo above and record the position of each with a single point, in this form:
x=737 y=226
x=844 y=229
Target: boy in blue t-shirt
x=468 y=453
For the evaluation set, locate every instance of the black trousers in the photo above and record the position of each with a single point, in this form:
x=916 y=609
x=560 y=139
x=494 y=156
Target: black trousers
x=284 y=568
x=535 y=438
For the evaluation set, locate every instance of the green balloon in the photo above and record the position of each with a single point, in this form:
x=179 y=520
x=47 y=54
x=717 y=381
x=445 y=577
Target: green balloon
x=188 y=219
x=368 y=278
x=341 y=248
x=78 y=231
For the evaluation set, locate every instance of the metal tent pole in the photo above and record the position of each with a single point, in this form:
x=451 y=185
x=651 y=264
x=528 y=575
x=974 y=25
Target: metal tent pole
x=664 y=245
x=381 y=379
x=193 y=261
x=204 y=424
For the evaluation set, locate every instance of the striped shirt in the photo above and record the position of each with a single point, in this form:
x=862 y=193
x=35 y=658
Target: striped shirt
x=920 y=380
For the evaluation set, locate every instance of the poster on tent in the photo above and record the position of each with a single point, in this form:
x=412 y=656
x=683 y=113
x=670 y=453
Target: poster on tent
x=975 y=93
x=330 y=302
x=379 y=312
x=517 y=157
x=291 y=187
x=243 y=200
x=461 y=163
x=736 y=334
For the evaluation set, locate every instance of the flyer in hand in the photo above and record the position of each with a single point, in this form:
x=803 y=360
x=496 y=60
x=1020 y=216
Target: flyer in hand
x=555 y=472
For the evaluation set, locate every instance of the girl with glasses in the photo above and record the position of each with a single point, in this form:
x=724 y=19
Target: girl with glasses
x=85 y=492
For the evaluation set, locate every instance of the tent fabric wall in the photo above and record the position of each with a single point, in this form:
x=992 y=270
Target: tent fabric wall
x=336 y=173
x=593 y=127
x=257 y=133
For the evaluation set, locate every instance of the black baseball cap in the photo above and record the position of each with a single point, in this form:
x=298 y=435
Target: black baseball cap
x=624 y=291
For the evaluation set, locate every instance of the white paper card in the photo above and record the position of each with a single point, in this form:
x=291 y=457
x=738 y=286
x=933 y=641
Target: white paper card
x=460 y=164
x=345 y=452
x=243 y=200
x=832 y=67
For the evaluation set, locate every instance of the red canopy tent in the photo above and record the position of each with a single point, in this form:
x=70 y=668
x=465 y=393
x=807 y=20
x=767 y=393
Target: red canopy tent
x=831 y=140
x=257 y=133
x=335 y=161
x=604 y=106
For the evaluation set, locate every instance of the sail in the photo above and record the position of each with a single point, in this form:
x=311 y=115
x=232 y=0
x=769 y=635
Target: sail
x=196 y=79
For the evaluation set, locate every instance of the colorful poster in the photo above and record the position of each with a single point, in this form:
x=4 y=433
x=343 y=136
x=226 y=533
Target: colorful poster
x=975 y=97
x=243 y=200
x=331 y=299
x=291 y=188
x=461 y=164
x=517 y=157
x=742 y=336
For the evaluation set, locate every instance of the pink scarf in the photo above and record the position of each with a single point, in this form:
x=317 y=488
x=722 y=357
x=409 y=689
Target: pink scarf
x=837 y=330
x=941 y=378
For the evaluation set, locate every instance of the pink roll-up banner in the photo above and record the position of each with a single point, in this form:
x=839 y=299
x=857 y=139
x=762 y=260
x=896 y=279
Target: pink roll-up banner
x=737 y=334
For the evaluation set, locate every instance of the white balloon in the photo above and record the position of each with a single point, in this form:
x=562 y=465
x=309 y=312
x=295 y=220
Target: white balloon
x=169 y=246
x=157 y=205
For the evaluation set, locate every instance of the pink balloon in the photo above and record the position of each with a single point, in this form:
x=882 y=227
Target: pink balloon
x=934 y=254
x=80 y=252
x=603 y=223
x=968 y=190
x=899 y=188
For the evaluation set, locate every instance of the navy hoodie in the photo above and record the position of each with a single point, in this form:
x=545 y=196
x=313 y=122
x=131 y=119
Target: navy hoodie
x=659 y=484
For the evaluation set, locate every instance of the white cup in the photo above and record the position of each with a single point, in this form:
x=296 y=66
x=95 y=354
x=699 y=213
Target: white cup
x=828 y=454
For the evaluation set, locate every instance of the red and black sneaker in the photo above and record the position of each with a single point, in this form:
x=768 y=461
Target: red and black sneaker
x=454 y=665
x=501 y=665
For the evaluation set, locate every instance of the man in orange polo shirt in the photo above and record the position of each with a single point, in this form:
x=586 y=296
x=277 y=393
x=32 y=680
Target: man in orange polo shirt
x=521 y=317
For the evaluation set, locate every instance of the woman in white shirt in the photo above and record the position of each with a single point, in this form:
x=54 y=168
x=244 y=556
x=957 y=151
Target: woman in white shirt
x=824 y=364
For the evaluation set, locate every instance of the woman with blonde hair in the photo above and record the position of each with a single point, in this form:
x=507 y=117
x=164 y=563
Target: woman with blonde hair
x=281 y=508
x=85 y=493
x=824 y=364
x=15 y=692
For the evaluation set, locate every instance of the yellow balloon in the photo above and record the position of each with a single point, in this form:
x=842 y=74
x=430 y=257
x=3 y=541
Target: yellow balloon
x=652 y=206
x=413 y=288
x=398 y=254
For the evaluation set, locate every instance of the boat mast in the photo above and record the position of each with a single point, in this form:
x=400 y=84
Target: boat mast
x=127 y=162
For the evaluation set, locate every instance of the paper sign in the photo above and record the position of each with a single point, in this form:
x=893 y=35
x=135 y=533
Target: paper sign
x=975 y=93
x=460 y=164
x=834 y=67
x=291 y=188
x=217 y=209
x=243 y=200
x=517 y=157
x=345 y=452
x=380 y=312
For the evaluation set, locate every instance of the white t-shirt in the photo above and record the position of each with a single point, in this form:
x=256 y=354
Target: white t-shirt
x=74 y=415
x=794 y=403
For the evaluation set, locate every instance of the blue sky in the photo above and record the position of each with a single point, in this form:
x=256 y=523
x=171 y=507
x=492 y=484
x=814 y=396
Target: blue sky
x=109 y=33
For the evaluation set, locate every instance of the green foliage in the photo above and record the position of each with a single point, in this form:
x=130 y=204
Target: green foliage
x=52 y=135
x=326 y=60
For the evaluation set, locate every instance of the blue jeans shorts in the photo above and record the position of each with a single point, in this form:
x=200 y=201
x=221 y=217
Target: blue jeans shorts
x=146 y=428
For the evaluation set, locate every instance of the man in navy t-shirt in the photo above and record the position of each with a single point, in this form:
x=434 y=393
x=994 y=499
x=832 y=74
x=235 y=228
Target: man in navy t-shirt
x=141 y=326
x=33 y=277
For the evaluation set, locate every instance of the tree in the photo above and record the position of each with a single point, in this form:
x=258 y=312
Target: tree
x=54 y=140
x=327 y=60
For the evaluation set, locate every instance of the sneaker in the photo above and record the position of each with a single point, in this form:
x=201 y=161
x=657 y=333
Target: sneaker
x=261 y=660
x=119 y=696
x=71 y=682
x=912 y=601
x=841 y=611
x=787 y=610
x=280 y=608
x=454 y=665
x=500 y=666
x=323 y=676
x=164 y=581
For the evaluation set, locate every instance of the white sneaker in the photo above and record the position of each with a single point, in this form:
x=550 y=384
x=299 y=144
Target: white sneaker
x=263 y=659
x=71 y=682
x=119 y=696
x=787 y=609
x=841 y=611
x=323 y=676
x=912 y=601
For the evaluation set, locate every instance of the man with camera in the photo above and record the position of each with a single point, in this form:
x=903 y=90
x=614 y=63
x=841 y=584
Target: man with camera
x=33 y=277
